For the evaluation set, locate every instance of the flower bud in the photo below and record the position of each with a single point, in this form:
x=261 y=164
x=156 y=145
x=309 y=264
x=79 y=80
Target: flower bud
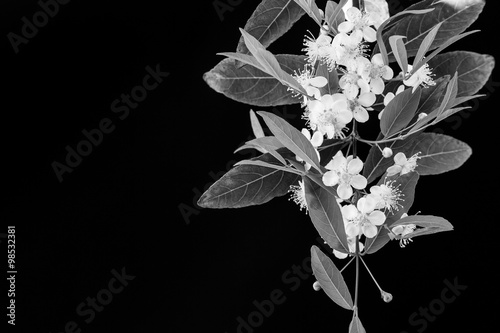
x=316 y=286
x=387 y=152
x=422 y=115
x=386 y=297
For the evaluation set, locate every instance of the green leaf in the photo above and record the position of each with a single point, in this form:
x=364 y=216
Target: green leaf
x=264 y=144
x=399 y=51
x=334 y=15
x=269 y=165
x=432 y=96
x=247 y=185
x=247 y=84
x=355 y=326
x=269 y=62
x=426 y=44
x=473 y=69
x=310 y=7
x=326 y=215
x=380 y=47
x=454 y=19
x=291 y=138
x=330 y=279
x=439 y=153
x=426 y=225
x=256 y=127
x=270 y=20
x=399 y=112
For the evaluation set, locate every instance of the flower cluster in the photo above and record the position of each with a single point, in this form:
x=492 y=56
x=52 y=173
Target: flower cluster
x=362 y=78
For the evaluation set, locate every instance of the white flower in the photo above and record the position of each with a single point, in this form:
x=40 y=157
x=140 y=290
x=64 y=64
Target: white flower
x=310 y=84
x=386 y=196
x=421 y=77
x=358 y=25
x=375 y=72
x=401 y=231
x=316 y=141
x=349 y=85
x=344 y=51
x=329 y=115
x=344 y=172
x=362 y=218
x=378 y=10
x=299 y=195
x=316 y=48
x=351 y=243
x=402 y=164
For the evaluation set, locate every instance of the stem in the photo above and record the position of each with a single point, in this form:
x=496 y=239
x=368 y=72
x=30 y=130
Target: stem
x=347 y=264
x=354 y=137
x=371 y=275
x=360 y=4
x=357 y=276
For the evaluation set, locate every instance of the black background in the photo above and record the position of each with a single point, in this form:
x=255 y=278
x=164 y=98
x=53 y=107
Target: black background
x=130 y=204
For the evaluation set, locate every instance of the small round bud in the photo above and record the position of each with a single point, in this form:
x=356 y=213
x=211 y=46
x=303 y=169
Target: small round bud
x=316 y=286
x=386 y=297
x=422 y=115
x=387 y=152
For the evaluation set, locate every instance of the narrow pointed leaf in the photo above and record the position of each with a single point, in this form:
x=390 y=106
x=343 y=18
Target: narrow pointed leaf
x=256 y=127
x=454 y=17
x=247 y=185
x=310 y=7
x=426 y=225
x=355 y=326
x=380 y=47
x=269 y=62
x=326 y=215
x=426 y=44
x=399 y=112
x=330 y=279
x=473 y=69
x=442 y=47
x=269 y=165
x=399 y=51
x=291 y=138
x=266 y=143
x=248 y=84
x=269 y=21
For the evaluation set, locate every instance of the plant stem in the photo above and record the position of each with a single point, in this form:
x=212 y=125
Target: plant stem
x=373 y=278
x=357 y=277
x=360 y=4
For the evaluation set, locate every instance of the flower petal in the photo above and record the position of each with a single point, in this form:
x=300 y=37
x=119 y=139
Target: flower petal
x=306 y=133
x=369 y=230
x=345 y=27
x=367 y=99
x=358 y=182
x=376 y=217
x=400 y=159
x=355 y=166
x=352 y=230
x=330 y=178
x=360 y=114
x=318 y=81
x=344 y=191
x=317 y=139
x=340 y=255
x=377 y=85
x=349 y=212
